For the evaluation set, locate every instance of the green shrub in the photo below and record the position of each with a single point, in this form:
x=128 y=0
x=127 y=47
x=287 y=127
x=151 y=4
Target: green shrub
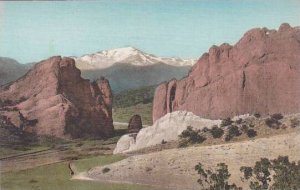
x=233 y=131
x=227 y=138
x=272 y=123
x=226 y=122
x=190 y=136
x=105 y=170
x=245 y=128
x=33 y=181
x=216 y=132
x=251 y=133
x=277 y=116
x=257 y=115
x=213 y=180
x=239 y=121
x=183 y=143
x=274 y=174
x=295 y=122
x=205 y=129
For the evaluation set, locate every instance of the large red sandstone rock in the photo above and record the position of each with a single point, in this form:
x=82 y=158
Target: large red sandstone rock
x=58 y=102
x=261 y=73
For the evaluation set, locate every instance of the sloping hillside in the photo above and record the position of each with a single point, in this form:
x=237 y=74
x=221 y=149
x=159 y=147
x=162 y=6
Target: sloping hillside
x=174 y=168
x=11 y=70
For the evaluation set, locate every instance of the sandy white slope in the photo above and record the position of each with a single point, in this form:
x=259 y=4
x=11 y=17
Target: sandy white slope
x=166 y=128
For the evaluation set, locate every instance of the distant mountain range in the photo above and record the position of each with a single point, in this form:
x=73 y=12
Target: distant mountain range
x=125 y=68
x=130 y=55
x=130 y=68
x=11 y=70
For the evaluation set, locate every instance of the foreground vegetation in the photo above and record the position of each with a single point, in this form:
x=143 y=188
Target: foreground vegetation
x=240 y=129
x=57 y=176
x=276 y=174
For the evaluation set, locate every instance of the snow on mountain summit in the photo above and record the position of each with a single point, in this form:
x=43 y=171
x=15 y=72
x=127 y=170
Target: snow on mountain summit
x=129 y=55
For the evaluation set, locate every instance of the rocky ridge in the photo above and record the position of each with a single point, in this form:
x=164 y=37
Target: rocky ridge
x=260 y=73
x=52 y=99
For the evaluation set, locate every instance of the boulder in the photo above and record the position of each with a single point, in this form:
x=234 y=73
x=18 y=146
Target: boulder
x=135 y=124
x=259 y=74
x=52 y=99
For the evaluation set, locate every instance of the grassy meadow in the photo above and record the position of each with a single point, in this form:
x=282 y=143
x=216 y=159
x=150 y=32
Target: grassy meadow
x=57 y=177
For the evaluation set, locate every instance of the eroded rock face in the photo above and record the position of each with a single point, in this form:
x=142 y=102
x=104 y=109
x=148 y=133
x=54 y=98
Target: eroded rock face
x=59 y=101
x=135 y=124
x=261 y=73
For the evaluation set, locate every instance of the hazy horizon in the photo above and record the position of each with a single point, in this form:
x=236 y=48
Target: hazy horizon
x=35 y=30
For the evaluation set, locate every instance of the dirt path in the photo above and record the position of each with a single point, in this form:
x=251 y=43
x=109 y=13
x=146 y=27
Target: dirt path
x=126 y=124
x=30 y=160
x=174 y=168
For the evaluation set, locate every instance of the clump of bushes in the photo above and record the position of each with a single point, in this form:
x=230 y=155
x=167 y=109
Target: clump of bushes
x=105 y=170
x=274 y=121
x=239 y=121
x=295 y=122
x=226 y=122
x=277 y=116
x=216 y=132
x=244 y=128
x=251 y=133
x=190 y=136
x=217 y=179
x=205 y=129
x=278 y=174
x=233 y=131
x=257 y=115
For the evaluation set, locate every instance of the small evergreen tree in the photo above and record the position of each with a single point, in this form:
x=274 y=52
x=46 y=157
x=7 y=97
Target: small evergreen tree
x=216 y=132
x=286 y=174
x=211 y=180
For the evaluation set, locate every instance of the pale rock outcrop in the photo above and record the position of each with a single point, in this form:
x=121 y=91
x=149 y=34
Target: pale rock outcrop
x=167 y=128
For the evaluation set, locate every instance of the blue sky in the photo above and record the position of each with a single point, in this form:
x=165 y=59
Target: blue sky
x=31 y=31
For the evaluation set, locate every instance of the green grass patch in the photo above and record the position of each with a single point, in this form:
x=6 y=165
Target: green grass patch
x=86 y=164
x=124 y=114
x=57 y=176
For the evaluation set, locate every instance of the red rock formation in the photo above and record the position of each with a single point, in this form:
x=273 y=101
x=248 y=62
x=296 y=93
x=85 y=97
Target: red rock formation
x=261 y=73
x=61 y=103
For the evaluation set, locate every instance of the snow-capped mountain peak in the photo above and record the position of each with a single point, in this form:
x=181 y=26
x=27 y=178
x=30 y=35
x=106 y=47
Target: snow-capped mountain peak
x=129 y=55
